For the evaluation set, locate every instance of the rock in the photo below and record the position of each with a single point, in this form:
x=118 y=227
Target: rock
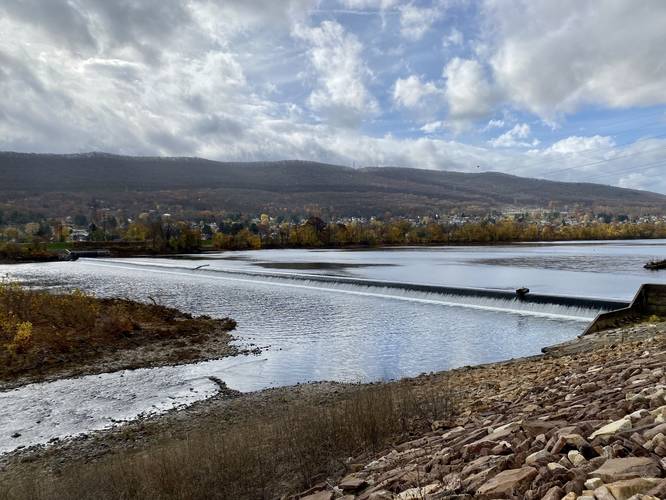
x=352 y=483
x=418 y=493
x=659 y=490
x=658 y=411
x=568 y=442
x=555 y=493
x=552 y=467
x=503 y=448
x=483 y=463
x=623 y=490
x=538 y=456
x=440 y=424
x=602 y=493
x=508 y=482
x=453 y=433
x=626 y=468
x=659 y=429
x=624 y=424
x=593 y=483
x=531 y=408
x=639 y=414
x=320 y=495
x=570 y=496
x=381 y=495
x=507 y=429
x=576 y=458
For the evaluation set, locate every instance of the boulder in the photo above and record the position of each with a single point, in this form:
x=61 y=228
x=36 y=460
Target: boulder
x=616 y=469
x=507 y=483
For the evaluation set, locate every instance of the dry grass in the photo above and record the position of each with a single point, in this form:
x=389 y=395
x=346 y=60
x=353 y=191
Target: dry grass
x=42 y=331
x=261 y=458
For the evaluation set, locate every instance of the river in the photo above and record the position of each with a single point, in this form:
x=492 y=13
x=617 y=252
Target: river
x=337 y=330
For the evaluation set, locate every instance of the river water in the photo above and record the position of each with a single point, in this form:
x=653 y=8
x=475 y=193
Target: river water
x=311 y=330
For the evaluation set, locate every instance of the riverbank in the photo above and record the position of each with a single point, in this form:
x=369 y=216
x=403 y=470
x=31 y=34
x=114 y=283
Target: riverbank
x=523 y=428
x=20 y=253
x=46 y=336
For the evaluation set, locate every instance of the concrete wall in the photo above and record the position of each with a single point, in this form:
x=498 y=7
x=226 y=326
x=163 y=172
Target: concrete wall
x=650 y=299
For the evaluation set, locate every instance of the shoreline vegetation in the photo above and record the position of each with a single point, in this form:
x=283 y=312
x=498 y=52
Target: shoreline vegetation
x=44 y=336
x=159 y=238
x=523 y=428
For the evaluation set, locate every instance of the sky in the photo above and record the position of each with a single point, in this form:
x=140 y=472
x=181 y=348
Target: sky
x=569 y=90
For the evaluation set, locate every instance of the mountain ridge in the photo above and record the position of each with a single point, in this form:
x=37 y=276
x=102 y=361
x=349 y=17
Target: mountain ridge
x=289 y=185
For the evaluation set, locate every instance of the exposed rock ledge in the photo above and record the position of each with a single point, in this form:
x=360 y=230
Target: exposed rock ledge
x=587 y=421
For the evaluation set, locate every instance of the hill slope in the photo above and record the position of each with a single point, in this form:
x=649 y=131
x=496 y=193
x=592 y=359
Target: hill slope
x=288 y=186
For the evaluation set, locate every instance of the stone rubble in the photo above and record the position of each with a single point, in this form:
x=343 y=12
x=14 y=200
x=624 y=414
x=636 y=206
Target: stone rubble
x=583 y=425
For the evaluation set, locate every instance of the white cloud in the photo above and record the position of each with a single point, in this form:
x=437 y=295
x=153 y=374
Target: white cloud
x=577 y=144
x=410 y=92
x=554 y=57
x=432 y=127
x=516 y=137
x=368 y=4
x=416 y=21
x=494 y=124
x=226 y=84
x=454 y=38
x=336 y=57
x=468 y=92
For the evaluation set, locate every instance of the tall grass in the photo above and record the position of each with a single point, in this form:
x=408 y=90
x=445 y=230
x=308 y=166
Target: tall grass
x=261 y=458
x=40 y=331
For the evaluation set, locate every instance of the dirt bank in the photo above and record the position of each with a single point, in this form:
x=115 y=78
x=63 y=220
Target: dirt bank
x=45 y=336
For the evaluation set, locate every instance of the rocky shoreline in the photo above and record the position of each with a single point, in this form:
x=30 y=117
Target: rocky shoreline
x=585 y=420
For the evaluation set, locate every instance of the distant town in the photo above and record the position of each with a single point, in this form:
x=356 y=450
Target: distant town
x=163 y=232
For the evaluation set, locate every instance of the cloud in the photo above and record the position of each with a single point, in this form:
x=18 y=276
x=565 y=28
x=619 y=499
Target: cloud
x=577 y=144
x=58 y=20
x=340 y=72
x=416 y=21
x=454 y=38
x=494 y=124
x=432 y=127
x=262 y=80
x=468 y=92
x=411 y=91
x=552 y=58
x=368 y=4
x=516 y=137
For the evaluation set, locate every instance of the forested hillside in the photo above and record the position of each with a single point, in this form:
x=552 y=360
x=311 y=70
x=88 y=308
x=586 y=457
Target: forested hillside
x=68 y=183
